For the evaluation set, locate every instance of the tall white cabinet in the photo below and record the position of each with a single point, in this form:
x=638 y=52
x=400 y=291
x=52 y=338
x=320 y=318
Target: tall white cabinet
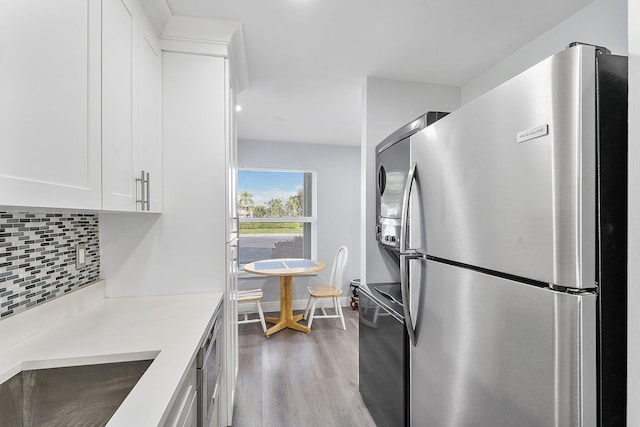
x=199 y=131
x=192 y=246
x=50 y=103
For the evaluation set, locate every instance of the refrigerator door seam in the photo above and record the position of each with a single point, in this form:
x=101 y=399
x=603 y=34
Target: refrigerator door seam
x=519 y=279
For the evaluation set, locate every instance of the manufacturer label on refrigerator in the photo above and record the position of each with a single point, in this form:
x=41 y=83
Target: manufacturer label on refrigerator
x=533 y=133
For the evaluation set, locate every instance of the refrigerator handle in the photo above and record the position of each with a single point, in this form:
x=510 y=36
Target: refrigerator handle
x=404 y=287
x=405 y=211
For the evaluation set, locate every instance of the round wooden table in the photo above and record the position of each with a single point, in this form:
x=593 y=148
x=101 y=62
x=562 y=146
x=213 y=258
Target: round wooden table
x=286 y=268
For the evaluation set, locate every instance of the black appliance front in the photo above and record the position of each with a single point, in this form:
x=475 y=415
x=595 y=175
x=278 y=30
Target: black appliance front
x=612 y=82
x=384 y=354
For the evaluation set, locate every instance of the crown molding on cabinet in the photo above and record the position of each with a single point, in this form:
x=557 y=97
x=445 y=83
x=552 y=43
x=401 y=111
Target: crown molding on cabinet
x=158 y=12
x=203 y=36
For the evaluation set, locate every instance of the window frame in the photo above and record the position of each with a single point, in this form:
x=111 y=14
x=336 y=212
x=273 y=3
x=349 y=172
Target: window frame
x=311 y=220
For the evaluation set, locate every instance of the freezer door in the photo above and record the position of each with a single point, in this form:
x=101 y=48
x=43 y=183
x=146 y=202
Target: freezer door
x=507 y=182
x=491 y=352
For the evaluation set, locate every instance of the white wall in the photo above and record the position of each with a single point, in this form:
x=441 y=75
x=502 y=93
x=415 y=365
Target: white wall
x=603 y=23
x=388 y=105
x=338 y=207
x=633 y=354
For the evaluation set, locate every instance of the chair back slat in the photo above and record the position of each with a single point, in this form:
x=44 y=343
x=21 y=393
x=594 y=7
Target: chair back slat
x=333 y=291
x=339 y=264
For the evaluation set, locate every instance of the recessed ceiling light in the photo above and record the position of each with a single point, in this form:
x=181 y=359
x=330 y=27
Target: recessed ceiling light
x=238 y=107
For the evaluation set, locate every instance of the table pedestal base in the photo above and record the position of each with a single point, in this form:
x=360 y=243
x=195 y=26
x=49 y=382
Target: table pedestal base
x=286 y=319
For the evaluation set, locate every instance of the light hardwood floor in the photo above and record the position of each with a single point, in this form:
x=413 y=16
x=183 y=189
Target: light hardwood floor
x=298 y=379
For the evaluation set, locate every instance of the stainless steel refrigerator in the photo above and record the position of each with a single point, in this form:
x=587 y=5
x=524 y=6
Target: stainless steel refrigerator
x=513 y=251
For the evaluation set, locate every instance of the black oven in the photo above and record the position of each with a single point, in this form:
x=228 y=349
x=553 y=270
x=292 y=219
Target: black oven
x=208 y=366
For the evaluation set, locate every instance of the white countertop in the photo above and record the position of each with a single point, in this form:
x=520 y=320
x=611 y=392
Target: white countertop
x=104 y=330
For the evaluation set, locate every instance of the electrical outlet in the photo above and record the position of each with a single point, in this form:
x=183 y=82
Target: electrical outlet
x=81 y=255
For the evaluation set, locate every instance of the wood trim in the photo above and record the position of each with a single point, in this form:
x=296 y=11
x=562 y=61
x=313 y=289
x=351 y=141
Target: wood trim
x=301 y=304
x=301 y=271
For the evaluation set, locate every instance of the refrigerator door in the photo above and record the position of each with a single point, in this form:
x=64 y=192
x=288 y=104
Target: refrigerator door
x=507 y=182
x=492 y=352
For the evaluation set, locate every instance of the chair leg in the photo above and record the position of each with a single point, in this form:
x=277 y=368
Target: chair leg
x=313 y=310
x=306 y=311
x=339 y=311
x=261 y=314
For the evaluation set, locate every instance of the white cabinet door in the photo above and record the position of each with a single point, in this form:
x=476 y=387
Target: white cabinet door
x=184 y=409
x=118 y=154
x=150 y=112
x=50 y=103
x=132 y=109
x=231 y=158
x=191 y=418
x=230 y=349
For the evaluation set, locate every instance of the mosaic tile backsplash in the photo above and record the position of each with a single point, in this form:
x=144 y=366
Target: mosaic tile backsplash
x=38 y=257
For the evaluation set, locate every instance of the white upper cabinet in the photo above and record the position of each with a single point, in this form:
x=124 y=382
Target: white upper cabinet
x=80 y=105
x=50 y=103
x=131 y=109
x=118 y=41
x=150 y=114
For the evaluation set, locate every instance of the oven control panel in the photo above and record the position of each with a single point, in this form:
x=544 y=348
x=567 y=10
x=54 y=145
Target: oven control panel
x=388 y=235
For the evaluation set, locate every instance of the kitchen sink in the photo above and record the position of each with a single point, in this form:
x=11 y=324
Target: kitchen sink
x=86 y=395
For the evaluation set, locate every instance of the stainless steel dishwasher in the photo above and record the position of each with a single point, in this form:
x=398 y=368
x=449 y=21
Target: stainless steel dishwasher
x=383 y=354
x=209 y=364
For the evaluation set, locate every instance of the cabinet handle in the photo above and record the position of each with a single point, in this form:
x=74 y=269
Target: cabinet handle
x=141 y=200
x=148 y=192
x=144 y=199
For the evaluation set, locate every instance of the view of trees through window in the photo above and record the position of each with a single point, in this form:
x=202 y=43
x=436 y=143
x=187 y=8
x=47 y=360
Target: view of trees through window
x=274 y=207
x=275 y=214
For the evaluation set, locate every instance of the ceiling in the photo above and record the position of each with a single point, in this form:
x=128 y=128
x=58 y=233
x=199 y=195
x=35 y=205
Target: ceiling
x=308 y=59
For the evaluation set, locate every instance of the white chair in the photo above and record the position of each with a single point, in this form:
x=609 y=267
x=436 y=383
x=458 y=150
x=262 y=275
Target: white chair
x=333 y=291
x=253 y=297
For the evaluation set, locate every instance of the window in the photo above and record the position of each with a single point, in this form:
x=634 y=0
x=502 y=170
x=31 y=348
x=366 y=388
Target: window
x=276 y=210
